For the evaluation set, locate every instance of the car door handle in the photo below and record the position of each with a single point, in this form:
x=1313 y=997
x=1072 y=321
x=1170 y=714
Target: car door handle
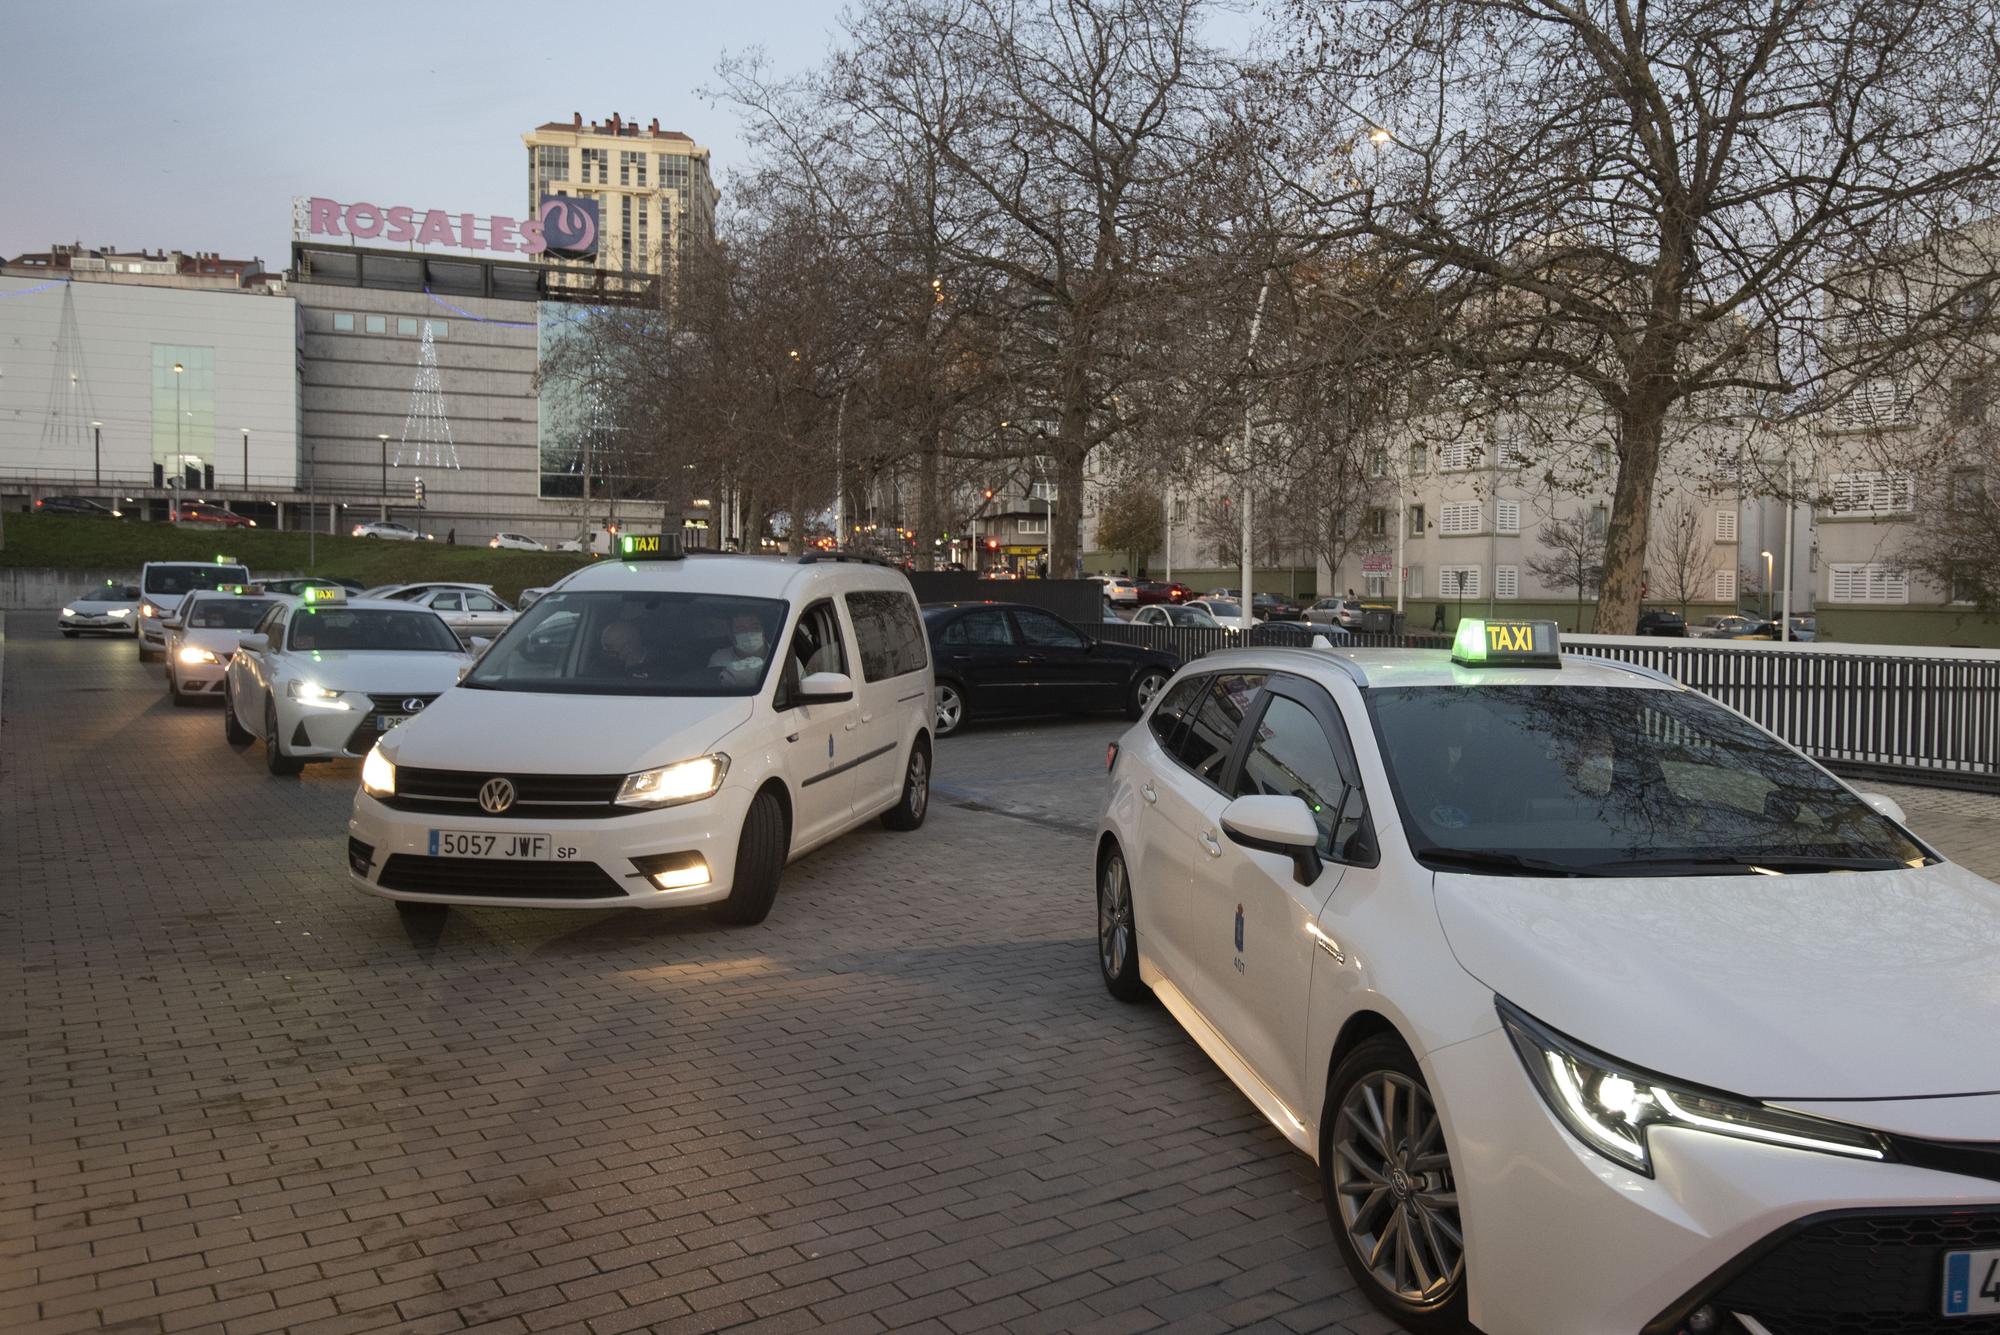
x=1211 y=843
x=867 y=718
x=1148 y=793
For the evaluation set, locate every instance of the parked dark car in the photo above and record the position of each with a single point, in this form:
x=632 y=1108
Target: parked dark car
x=1301 y=633
x=1163 y=591
x=75 y=505
x=997 y=660
x=1661 y=621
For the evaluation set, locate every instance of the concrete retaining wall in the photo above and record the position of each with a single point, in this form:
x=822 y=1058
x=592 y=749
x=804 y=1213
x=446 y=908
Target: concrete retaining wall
x=24 y=588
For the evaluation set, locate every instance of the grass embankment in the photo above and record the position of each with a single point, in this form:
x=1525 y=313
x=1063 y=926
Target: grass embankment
x=72 y=542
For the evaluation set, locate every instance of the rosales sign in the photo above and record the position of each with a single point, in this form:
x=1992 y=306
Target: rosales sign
x=398 y=224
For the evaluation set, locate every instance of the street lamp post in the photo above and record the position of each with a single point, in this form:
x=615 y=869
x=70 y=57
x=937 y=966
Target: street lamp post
x=1249 y=355
x=180 y=449
x=312 y=505
x=246 y=458
x=97 y=452
x=383 y=437
x=1767 y=584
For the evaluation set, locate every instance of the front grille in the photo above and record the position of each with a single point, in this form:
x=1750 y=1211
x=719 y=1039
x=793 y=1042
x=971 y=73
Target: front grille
x=393 y=704
x=362 y=740
x=536 y=796
x=498 y=877
x=1877 y=1274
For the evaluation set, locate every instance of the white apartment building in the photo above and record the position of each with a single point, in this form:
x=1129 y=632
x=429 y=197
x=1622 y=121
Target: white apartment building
x=655 y=194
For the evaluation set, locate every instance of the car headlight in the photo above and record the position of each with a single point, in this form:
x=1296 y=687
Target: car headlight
x=669 y=785
x=193 y=654
x=69 y=611
x=1611 y=1107
x=378 y=774
x=148 y=610
x=121 y=611
x=314 y=694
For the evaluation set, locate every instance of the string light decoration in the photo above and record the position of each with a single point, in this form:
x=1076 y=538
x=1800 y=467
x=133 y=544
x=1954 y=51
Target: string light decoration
x=427 y=441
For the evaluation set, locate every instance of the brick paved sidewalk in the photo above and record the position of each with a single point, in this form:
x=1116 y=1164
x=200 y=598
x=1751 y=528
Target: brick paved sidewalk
x=247 y=1099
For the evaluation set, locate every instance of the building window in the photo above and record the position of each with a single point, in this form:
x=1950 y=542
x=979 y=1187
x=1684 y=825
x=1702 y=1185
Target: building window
x=551 y=166
x=1872 y=494
x=1458 y=582
x=1966 y=489
x=440 y=328
x=1460 y=456
x=1042 y=491
x=343 y=322
x=1871 y=582
x=406 y=325
x=1600 y=520
x=1725 y=525
x=1725 y=586
x=1457 y=518
x=1376 y=525
x=378 y=324
x=1378 y=463
x=1506 y=581
x=1037 y=527
x=1882 y=401
x=1413 y=582
x=1416 y=521
x=1964 y=588
x=1375 y=584
x=1419 y=459
x=1513 y=444
x=1507 y=517
x=625 y=161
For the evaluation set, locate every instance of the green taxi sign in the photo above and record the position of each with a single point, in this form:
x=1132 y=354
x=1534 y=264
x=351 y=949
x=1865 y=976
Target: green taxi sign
x=322 y=595
x=222 y=560
x=649 y=546
x=1487 y=643
x=232 y=588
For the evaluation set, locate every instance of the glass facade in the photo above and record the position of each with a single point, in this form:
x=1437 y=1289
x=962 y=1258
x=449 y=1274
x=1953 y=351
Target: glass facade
x=183 y=406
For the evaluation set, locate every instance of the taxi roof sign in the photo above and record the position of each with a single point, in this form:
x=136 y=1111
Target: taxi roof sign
x=322 y=595
x=222 y=560
x=1486 y=643
x=650 y=547
x=232 y=588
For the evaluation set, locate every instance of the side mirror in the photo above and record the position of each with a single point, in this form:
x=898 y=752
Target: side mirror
x=1887 y=806
x=826 y=688
x=1281 y=825
x=253 y=644
x=479 y=644
x=170 y=623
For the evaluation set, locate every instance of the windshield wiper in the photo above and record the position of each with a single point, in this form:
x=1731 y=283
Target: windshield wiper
x=1505 y=864
x=1793 y=864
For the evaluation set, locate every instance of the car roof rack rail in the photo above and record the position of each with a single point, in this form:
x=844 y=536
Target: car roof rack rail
x=863 y=558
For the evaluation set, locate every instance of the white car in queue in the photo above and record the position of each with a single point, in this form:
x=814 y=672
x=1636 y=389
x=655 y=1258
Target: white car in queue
x=1600 y=1008
x=162 y=586
x=656 y=731
x=322 y=676
x=202 y=636
x=113 y=607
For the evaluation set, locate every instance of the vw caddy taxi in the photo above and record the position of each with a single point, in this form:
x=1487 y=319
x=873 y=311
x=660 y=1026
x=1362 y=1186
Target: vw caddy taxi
x=202 y=635
x=658 y=730
x=322 y=675
x=1600 y=1008
x=162 y=586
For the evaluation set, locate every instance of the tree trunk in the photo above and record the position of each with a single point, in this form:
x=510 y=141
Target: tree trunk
x=1619 y=592
x=1066 y=534
x=930 y=520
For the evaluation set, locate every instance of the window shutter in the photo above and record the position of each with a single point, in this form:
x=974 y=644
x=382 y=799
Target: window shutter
x=1448 y=582
x=1507 y=581
x=1508 y=514
x=1725 y=586
x=1458 y=517
x=1725 y=526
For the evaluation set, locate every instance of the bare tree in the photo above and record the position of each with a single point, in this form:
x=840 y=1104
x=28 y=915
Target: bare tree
x=1628 y=212
x=1132 y=520
x=1957 y=546
x=1572 y=557
x=1682 y=565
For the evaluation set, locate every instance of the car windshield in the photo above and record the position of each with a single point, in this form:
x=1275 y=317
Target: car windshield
x=104 y=593
x=634 y=642
x=1224 y=609
x=376 y=628
x=226 y=613
x=169 y=581
x=1599 y=780
x=1189 y=616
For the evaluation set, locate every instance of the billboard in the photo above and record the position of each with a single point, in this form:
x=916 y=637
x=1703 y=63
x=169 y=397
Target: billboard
x=569 y=226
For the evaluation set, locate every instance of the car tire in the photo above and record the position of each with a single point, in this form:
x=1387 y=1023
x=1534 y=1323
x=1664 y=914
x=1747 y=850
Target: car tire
x=233 y=730
x=69 y=635
x=1117 y=929
x=1384 y=1169
x=760 y=859
x=1146 y=688
x=952 y=708
x=908 y=813
x=275 y=760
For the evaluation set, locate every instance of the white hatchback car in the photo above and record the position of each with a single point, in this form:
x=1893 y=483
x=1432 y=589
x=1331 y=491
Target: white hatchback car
x=515 y=542
x=658 y=732
x=323 y=675
x=1600 y=1008
x=202 y=637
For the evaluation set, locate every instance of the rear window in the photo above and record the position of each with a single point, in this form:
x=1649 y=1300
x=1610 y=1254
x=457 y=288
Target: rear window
x=226 y=613
x=377 y=628
x=172 y=581
x=887 y=634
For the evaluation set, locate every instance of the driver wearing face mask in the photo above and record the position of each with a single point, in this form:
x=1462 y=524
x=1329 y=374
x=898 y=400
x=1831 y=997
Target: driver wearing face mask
x=742 y=659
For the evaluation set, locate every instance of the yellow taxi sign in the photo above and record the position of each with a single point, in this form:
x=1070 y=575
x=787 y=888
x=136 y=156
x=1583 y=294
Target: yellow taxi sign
x=322 y=595
x=1485 y=643
x=649 y=546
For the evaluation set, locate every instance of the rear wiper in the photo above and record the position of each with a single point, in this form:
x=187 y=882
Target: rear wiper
x=1466 y=859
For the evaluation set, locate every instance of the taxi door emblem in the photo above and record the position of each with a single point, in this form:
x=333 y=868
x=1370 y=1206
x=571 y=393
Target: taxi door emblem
x=496 y=795
x=1239 y=927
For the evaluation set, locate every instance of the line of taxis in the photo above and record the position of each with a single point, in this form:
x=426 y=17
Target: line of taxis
x=1599 y=1008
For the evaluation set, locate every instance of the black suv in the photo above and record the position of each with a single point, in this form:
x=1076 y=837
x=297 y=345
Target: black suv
x=1660 y=621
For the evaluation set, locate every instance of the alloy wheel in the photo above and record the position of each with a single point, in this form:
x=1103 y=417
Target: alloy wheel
x=950 y=709
x=1149 y=688
x=919 y=782
x=1114 y=916
x=1395 y=1191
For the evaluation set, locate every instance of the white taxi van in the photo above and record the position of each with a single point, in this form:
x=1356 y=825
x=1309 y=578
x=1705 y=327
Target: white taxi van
x=162 y=586
x=658 y=730
x=1599 y=1007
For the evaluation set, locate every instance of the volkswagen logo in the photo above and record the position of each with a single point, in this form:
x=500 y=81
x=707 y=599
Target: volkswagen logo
x=413 y=704
x=496 y=795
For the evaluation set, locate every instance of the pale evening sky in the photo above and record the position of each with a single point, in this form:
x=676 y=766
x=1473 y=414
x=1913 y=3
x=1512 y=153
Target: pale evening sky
x=144 y=125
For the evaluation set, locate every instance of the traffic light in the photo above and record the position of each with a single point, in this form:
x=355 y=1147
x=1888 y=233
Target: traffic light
x=417 y=488
x=993 y=544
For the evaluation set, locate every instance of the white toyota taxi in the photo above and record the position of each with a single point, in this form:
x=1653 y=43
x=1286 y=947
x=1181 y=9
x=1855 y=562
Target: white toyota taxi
x=322 y=675
x=202 y=635
x=657 y=731
x=1601 y=1010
